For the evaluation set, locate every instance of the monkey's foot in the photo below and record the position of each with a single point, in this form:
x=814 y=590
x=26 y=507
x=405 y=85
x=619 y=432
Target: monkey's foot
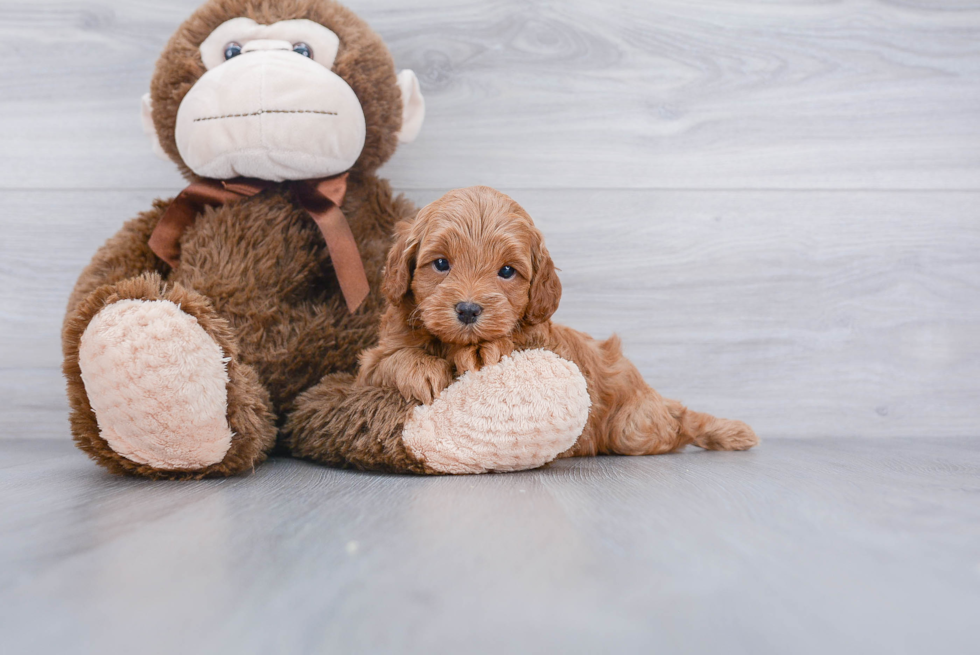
x=515 y=415
x=157 y=383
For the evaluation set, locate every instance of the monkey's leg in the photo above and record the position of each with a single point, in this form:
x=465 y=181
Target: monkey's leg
x=156 y=388
x=518 y=414
x=337 y=422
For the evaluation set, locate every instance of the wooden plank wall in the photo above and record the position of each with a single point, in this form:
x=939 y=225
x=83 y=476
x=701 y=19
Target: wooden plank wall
x=777 y=205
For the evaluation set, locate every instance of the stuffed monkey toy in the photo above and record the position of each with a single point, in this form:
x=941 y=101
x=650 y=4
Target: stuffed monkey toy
x=227 y=322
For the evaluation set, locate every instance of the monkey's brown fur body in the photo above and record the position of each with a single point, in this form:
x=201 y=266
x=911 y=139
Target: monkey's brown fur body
x=257 y=277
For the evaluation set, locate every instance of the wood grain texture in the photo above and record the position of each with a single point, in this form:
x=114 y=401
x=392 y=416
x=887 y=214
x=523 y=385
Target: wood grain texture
x=821 y=546
x=805 y=314
x=669 y=94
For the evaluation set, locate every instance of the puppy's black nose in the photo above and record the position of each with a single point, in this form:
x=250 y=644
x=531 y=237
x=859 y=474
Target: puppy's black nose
x=467 y=312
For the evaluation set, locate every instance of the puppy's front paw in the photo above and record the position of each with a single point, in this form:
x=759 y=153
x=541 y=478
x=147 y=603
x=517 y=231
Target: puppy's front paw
x=493 y=351
x=426 y=380
x=473 y=358
x=466 y=359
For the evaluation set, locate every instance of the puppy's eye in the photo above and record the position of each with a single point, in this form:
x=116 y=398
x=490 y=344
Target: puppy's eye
x=232 y=50
x=441 y=265
x=303 y=49
x=506 y=272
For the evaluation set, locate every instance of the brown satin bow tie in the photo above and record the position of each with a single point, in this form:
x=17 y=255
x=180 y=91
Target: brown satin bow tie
x=321 y=198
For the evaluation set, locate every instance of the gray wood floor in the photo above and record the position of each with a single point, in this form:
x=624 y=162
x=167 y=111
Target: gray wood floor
x=802 y=546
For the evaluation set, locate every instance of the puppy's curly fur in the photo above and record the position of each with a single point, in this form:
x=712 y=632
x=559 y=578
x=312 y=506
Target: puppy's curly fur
x=468 y=282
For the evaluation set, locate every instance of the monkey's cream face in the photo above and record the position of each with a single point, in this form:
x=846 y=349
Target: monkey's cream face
x=269 y=106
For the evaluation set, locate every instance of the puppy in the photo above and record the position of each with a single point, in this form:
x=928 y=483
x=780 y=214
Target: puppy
x=468 y=282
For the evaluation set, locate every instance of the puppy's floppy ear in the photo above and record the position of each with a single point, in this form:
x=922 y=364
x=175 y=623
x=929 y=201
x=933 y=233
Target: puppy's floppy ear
x=400 y=264
x=545 y=285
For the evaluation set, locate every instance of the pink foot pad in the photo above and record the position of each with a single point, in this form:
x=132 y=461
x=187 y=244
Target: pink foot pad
x=157 y=383
x=516 y=415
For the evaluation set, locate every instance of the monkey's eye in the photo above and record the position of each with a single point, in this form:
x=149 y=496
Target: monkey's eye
x=506 y=272
x=303 y=49
x=441 y=265
x=232 y=50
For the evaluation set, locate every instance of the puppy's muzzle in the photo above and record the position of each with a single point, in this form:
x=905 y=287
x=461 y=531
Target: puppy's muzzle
x=467 y=312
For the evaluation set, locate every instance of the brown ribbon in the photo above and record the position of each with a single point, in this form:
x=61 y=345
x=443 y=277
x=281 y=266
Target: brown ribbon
x=320 y=198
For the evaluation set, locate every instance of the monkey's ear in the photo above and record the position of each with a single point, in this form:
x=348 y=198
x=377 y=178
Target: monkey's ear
x=150 y=130
x=400 y=265
x=413 y=106
x=545 y=285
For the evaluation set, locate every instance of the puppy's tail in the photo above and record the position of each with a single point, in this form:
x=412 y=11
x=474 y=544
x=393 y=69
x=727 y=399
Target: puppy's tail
x=709 y=432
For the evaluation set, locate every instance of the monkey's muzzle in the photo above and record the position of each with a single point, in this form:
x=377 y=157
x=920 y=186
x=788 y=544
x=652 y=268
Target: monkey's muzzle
x=272 y=115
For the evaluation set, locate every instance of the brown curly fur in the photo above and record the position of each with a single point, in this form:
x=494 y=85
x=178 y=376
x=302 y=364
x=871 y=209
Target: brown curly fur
x=258 y=277
x=478 y=231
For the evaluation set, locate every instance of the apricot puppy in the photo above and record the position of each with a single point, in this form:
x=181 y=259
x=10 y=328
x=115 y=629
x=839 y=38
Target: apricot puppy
x=468 y=282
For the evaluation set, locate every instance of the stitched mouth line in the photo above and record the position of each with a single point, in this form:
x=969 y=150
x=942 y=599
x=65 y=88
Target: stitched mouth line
x=266 y=111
